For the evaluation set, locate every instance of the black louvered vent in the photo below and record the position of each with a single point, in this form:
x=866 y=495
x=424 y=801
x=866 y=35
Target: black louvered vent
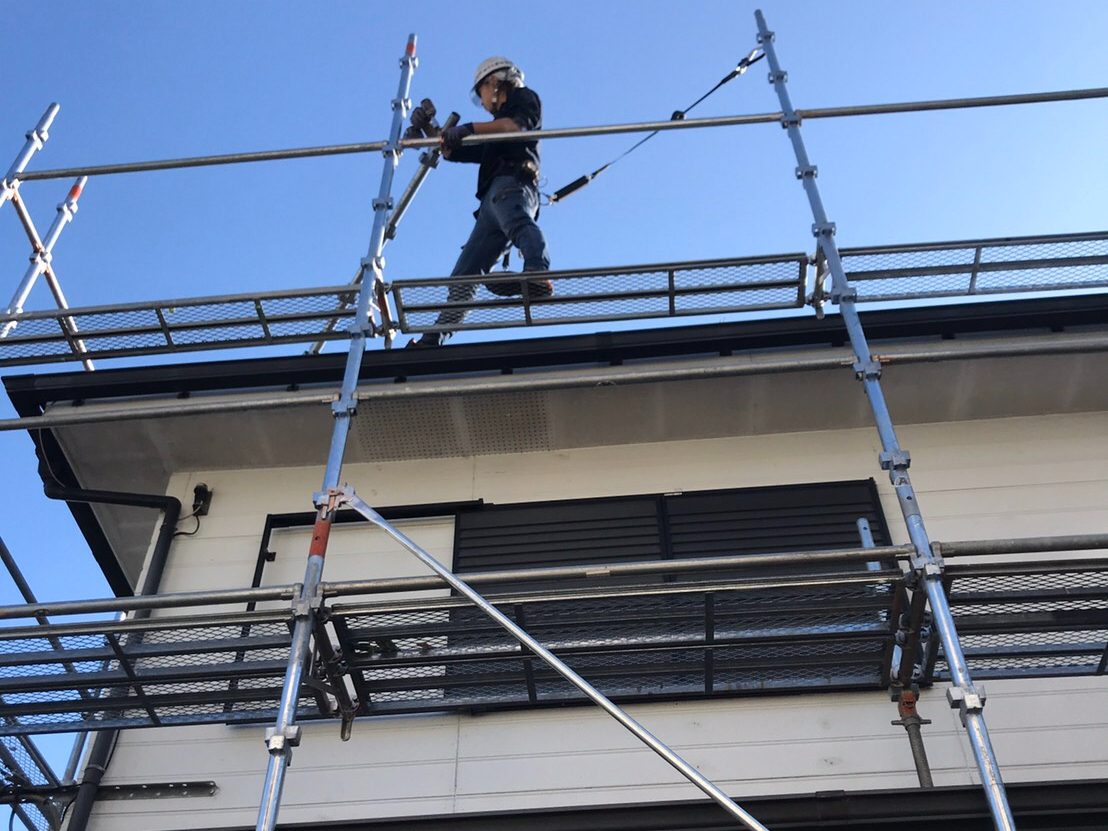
x=671 y=526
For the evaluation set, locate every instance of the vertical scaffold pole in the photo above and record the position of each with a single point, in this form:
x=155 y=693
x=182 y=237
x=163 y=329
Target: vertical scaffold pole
x=36 y=137
x=285 y=734
x=927 y=567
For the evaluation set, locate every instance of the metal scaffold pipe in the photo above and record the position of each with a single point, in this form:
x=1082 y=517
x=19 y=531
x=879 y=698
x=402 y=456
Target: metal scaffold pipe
x=36 y=137
x=698 y=779
x=575 y=132
x=927 y=568
x=285 y=734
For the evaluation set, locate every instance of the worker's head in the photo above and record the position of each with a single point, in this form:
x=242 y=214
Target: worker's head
x=492 y=80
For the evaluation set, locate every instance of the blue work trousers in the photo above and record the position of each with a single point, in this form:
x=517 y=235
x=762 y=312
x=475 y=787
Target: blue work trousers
x=506 y=218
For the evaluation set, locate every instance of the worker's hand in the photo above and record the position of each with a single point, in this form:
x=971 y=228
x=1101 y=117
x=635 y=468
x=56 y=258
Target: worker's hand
x=452 y=136
x=420 y=118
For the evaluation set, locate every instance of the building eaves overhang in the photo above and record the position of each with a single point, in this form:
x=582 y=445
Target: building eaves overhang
x=88 y=456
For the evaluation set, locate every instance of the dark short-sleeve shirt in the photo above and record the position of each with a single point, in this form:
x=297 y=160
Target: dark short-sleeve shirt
x=523 y=106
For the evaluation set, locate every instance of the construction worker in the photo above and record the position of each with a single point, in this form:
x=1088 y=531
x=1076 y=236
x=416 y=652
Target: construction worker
x=507 y=187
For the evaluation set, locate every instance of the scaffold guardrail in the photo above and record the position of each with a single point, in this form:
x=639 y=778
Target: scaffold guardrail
x=1012 y=265
x=767 y=285
x=646 y=292
x=729 y=631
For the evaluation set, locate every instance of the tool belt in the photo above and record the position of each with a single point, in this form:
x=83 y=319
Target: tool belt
x=525 y=171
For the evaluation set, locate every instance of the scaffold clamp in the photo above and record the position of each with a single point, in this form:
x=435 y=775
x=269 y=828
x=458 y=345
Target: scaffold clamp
x=809 y=172
x=823 y=229
x=892 y=459
x=766 y=37
x=332 y=499
x=966 y=701
x=283 y=740
x=870 y=370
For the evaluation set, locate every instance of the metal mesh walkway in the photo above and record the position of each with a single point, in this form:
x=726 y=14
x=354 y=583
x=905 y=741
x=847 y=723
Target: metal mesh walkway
x=590 y=297
x=728 y=635
x=596 y=296
x=1011 y=265
x=1031 y=620
x=441 y=654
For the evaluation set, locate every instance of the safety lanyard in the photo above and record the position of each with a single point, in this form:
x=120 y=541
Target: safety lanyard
x=678 y=115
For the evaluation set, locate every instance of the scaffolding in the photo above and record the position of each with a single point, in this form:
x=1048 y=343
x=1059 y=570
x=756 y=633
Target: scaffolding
x=882 y=616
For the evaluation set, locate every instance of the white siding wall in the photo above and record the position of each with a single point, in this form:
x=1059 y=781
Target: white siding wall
x=1012 y=477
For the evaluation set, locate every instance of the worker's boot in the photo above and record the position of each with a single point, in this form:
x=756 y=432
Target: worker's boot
x=535 y=288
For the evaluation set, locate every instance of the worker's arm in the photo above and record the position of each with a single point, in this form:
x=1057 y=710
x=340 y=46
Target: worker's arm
x=454 y=151
x=499 y=125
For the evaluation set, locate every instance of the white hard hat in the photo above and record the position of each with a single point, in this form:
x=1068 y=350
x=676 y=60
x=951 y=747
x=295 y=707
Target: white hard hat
x=495 y=64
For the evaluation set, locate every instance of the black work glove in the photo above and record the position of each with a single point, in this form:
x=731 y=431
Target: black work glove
x=452 y=136
x=420 y=118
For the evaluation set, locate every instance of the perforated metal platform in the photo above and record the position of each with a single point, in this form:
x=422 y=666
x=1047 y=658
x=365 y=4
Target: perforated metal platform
x=766 y=284
x=829 y=631
x=1011 y=265
x=1029 y=620
x=595 y=296
x=810 y=632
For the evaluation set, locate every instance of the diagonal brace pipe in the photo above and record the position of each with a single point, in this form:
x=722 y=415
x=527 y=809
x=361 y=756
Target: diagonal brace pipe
x=40 y=260
x=555 y=663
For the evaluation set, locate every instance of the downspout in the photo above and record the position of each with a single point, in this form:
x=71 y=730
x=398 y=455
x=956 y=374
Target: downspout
x=102 y=746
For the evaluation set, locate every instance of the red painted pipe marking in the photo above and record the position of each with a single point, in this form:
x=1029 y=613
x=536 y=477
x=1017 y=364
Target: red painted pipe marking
x=320 y=534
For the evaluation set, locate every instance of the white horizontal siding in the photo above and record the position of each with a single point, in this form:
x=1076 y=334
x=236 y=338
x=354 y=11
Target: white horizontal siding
x=1002 y=478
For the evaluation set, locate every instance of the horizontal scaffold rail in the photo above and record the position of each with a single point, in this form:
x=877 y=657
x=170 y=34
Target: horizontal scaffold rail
x=572 y=132
x=705 y=287
x=794 y=621
x=766 y=284
x=1008 y=265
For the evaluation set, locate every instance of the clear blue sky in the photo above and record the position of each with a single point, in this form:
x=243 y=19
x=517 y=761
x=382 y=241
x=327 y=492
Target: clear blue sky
x=151 y=80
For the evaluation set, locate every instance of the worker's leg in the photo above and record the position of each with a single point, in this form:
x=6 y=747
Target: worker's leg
x=515 y=205
x=486 y=244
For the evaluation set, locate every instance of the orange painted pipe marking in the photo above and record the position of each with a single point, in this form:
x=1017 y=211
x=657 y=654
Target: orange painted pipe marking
x=75 y=192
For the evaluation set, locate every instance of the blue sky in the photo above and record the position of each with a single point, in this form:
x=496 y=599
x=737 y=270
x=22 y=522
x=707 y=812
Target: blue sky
x=154 y=80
